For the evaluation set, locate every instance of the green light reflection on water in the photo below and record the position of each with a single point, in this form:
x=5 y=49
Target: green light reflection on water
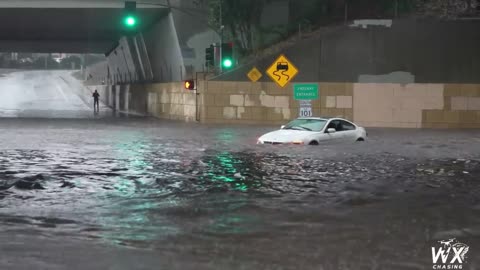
x=224 y=167
x=226 y=135
x=131 y=219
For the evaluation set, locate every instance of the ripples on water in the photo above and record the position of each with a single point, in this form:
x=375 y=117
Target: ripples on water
x=140 y=192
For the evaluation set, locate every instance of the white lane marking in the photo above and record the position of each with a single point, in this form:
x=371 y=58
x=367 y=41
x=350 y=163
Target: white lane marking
x=60 y=90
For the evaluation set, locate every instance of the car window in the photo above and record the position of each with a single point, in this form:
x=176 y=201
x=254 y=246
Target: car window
x=346 y=126
x=335 y=124
x=340 y=125
x=307 y=124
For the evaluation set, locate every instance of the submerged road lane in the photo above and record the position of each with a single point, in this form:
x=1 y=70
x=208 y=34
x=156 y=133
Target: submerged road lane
x=146 y=194
x=109 y=193
x=43 y=94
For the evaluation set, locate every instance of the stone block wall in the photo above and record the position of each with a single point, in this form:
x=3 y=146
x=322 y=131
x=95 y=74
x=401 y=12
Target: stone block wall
x=395 y=105
x=461 y=108
x=171 y=101
x=266 y=103
x=367 y=104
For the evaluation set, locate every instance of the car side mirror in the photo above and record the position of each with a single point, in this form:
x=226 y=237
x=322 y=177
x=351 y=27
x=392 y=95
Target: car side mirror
x=331 y=130
x=282 y=127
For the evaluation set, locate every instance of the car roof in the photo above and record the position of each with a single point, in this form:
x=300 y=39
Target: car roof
x=316 y=118
x=325 y=118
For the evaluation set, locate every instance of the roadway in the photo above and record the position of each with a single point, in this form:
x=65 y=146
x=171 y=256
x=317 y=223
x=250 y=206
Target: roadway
x=43 y=94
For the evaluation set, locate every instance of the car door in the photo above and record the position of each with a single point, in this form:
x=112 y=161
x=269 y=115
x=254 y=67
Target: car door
x=348 y=130
x=337 y=136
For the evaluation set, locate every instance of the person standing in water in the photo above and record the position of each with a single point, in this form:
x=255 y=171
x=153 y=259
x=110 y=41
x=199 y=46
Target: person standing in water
x=96 y=102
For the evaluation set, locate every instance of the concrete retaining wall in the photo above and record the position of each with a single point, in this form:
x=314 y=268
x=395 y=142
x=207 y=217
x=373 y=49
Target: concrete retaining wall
x=398 y=51
x=368 y=104
x=164 y=51
x=171 y=101
x=266 y=103
x=161 y=100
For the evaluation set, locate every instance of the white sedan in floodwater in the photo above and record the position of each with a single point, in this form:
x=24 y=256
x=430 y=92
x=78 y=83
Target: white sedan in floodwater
x=313 y=130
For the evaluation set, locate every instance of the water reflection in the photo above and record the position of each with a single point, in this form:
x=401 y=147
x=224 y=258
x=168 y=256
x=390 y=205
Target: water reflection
x=142 y=218
x=233 y=214
x=135 y=162
x=132 y=217
x=226 y=135
x=136 y=222
x=142 y=193
x=241 y=171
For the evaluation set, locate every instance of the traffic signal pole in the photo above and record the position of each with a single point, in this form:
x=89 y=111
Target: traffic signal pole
x=221 y=37
x=185 y=11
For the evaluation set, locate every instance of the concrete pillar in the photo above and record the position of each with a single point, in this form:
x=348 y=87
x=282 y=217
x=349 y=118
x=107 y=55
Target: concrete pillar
x=112 y=96
x=117 y=98
x=127 y=98
x=165 y=52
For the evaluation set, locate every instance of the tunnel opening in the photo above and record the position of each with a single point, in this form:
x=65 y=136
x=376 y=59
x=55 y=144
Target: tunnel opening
x=49 y=85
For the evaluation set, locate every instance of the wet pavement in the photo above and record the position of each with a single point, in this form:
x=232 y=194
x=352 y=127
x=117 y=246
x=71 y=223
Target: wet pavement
x=44 y=94
x=111 y=193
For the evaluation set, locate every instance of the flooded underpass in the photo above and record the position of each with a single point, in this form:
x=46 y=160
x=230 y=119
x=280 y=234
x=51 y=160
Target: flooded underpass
x=146 y=194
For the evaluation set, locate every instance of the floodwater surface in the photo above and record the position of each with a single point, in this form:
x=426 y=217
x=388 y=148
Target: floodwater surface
x=110 y=193
x=146 y=194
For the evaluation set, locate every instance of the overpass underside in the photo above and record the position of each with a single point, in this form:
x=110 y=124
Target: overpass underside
x=172 y=34
x=67 y=30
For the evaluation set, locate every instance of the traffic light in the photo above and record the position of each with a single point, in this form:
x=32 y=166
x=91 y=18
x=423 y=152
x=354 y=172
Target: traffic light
x=227 y=56
x=130 y=21
x=209 y=56
x=190 y=85
x=130 y=18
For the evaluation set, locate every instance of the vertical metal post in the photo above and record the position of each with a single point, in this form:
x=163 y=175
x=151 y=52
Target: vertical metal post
x=221 y=36
x=82 y=65
x=196 y=97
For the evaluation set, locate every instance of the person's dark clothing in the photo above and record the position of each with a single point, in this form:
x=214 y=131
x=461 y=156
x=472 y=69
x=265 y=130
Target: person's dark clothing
x=96 y=104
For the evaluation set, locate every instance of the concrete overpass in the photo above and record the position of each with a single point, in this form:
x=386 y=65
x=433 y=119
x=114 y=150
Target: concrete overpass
x=171 y=42
x=66 y=26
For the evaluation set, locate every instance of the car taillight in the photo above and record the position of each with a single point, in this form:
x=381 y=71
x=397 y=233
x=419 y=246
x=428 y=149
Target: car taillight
x=297 y=142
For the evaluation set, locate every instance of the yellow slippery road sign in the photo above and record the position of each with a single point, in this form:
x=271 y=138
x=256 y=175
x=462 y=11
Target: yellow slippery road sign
x=282 y=71
x=254 y=75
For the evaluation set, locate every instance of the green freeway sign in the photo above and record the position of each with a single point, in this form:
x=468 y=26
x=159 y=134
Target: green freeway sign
x=305 y=91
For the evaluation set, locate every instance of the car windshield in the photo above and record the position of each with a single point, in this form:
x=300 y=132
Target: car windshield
x=307 y=124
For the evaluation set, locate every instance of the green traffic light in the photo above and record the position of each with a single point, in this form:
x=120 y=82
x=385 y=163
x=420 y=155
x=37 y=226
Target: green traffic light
x=227 y=63
x=130 y=21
